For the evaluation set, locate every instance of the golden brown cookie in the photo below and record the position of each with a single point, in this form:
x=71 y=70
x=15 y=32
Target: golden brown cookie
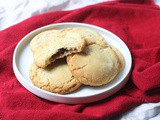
x=40 y=38
x=91 y=36
x=57 y=46
x=95 y=66
x=55 y=78
x=120 y=57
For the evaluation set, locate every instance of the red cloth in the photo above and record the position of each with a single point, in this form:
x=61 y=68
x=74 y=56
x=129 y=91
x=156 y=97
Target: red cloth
x=137 y=24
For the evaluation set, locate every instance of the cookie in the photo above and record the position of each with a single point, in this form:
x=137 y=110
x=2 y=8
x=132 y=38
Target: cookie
x=40 y=38
x=55 y=78
x=58 y=46
x=90 y=36
x=96 y=66
x=120 y=57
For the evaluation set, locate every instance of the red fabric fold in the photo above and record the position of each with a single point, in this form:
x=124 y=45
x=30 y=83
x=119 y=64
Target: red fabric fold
x=137 y=25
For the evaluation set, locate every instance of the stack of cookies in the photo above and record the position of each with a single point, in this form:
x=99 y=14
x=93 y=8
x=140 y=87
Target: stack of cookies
x=66 y=59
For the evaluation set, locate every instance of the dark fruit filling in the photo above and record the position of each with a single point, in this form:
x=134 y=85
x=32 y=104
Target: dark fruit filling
x=62 y=50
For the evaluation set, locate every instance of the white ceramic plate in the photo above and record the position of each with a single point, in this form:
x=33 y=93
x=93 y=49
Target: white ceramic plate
x=23 y=58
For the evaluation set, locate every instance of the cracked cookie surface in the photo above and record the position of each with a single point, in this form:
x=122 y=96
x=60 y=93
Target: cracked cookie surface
x=120 y=57
x=55 y=78
x=90 y=36
x=41 y=38
x=57 y=46
x=96 y=66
